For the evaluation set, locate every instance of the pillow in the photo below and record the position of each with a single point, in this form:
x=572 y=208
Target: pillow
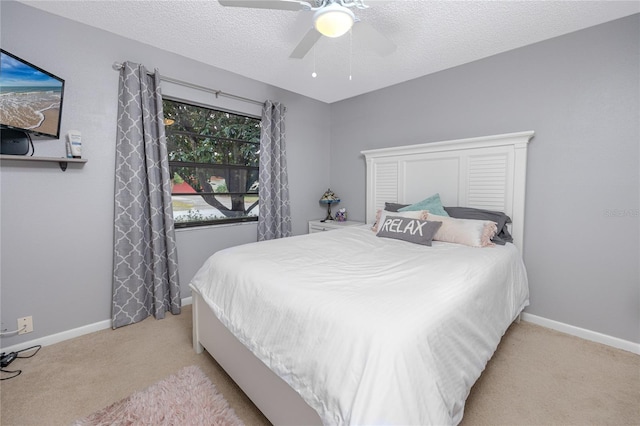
x=381 y=214
x=470 y=232
x=394 y=207
x=406 y=229
x=502 y=236
x=433 y=204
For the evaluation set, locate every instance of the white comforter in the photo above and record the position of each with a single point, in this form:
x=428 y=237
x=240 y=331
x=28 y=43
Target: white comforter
x=369 y=330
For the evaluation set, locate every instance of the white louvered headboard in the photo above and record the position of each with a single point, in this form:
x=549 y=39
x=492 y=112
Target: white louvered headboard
x=488 y=172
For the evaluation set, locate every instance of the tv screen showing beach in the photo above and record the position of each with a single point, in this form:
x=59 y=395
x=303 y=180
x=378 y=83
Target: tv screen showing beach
x=30 y=97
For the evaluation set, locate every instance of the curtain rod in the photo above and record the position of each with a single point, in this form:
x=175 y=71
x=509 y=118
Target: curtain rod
x=118 y=66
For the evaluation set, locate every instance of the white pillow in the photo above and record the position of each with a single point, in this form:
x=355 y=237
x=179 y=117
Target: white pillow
x=470 y=232
x=381 y=214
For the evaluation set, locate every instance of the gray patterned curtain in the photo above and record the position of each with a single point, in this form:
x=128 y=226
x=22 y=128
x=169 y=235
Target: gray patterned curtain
x=145 y=261
x=274 y=218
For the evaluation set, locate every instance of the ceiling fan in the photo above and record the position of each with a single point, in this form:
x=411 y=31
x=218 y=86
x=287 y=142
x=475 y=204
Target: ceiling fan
x=332 y=18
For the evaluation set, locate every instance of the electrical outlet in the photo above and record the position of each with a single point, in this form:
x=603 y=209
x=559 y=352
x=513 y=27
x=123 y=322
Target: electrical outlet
x=26 y=323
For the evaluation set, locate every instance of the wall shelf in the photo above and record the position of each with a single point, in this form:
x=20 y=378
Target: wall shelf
x=62 y=161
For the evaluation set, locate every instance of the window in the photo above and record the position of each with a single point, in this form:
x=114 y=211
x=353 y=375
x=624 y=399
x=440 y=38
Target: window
x=213 y=158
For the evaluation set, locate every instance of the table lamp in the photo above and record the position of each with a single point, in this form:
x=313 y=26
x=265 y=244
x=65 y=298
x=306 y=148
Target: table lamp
x=329 y=198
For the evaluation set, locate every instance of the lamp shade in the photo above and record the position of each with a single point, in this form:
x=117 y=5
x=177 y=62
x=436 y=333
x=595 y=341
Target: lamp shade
x=334 y=20
x=329 y=197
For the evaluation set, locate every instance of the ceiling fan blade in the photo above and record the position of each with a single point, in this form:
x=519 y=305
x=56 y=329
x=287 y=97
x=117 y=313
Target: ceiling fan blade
x=305 y=45
x=268 y=4
x=374 y=39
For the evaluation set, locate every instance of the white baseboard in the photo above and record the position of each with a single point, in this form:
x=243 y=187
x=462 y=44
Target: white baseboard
x=60 y=337
x=583 y=333
x=70 y=334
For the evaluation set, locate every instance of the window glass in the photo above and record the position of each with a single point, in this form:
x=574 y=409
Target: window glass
x=213 y=157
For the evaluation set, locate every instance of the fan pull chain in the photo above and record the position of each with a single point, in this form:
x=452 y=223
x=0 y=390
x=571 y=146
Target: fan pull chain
x=350 y=52
x=313 y=74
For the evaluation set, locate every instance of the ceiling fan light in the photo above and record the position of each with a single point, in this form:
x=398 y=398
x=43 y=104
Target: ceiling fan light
x=333 y=20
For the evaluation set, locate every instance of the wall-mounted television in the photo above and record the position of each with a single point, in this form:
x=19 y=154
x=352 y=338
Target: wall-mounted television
x=30 y=97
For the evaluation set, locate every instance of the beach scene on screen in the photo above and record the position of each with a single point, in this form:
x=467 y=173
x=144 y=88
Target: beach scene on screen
x=29 y=98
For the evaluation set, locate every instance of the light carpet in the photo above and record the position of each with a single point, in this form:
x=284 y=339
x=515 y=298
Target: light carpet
x=185 y=398
x=536 y=377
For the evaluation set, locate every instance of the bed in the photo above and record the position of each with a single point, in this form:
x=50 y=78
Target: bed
x=344 y=327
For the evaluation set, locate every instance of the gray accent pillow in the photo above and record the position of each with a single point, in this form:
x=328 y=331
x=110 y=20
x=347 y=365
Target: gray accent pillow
x=394 y=207
x=406 y=229
x=502 y=236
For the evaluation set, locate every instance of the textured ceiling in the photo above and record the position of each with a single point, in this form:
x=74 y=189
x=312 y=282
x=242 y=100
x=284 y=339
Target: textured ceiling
x=256 y=43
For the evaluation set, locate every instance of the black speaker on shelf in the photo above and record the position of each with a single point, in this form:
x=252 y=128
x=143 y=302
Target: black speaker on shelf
x=14 y=142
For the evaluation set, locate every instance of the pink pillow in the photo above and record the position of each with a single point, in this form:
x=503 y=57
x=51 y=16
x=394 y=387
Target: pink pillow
x=470 y=232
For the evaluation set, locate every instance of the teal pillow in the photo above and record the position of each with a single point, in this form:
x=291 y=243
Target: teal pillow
x=433 y=204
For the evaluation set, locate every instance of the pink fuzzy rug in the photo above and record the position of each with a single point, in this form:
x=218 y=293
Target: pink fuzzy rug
x=185 y=398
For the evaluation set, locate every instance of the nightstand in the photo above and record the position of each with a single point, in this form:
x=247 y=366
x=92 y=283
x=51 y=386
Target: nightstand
x=318 y=226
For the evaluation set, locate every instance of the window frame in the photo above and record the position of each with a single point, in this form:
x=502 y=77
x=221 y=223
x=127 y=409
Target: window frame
x=193 y=164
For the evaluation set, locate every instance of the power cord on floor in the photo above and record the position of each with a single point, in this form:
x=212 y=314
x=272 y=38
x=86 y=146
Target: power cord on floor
x=6 y=359
x=15 y=373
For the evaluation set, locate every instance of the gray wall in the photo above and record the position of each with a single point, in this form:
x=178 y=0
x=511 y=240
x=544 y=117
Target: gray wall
x=56 y=228
x=580 y=93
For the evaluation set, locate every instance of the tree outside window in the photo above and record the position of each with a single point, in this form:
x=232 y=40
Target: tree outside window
x=213 y=157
